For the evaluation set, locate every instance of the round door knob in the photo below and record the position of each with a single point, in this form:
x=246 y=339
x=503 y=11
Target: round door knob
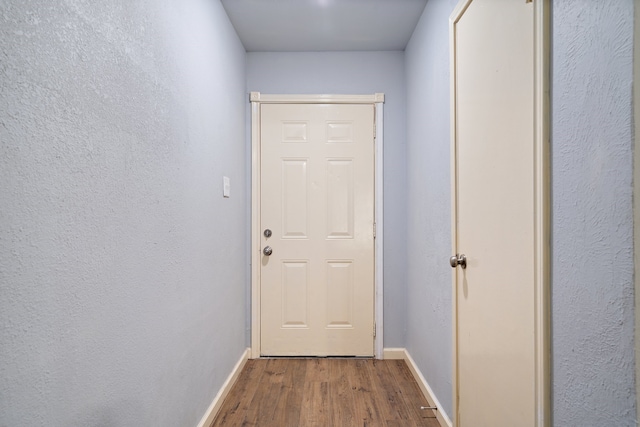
x=458 y=260
x=453 y=261
x=267 y=250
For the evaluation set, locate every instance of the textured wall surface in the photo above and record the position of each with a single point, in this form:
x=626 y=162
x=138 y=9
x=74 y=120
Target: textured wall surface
x=429 y=199
x=636 y=188
x=592 y=271
x=119 y=258
x=357 y=73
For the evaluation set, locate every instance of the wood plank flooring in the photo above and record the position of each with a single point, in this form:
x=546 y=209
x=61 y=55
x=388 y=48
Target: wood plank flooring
x=325 y=392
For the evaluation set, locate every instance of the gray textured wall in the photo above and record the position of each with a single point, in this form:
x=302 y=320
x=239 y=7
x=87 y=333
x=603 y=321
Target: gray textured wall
x=357 y=73
x=119 y=258
x=592 y=271
x=429 y=199
x=636 y=188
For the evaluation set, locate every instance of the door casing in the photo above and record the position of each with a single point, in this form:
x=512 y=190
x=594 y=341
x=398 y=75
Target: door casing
x=256 y=99
x=541 y=206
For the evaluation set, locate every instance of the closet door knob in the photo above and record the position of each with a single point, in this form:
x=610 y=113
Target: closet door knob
x=458 y=260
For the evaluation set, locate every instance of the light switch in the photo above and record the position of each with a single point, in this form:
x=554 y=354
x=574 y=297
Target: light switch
x=226 y=186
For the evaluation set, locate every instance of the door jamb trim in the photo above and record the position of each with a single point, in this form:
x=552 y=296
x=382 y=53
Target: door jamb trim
x=541 y=206
x=377 y=100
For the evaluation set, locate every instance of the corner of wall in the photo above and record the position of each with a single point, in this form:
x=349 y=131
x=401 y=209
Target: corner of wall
x=636 y=193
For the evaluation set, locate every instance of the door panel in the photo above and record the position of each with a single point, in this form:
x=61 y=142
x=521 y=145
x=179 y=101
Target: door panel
x=295 y=215
x=495 y=170
x=295 y=301
x=317 y=198
x=340 y=193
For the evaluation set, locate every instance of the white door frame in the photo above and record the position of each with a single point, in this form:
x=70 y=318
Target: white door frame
x=256 y=99
x=541 y=206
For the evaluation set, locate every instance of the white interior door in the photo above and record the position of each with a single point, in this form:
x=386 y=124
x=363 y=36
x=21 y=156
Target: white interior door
x=317 y=200
x=497 y=210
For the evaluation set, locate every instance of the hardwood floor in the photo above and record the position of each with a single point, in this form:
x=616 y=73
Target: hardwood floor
x=325 y=393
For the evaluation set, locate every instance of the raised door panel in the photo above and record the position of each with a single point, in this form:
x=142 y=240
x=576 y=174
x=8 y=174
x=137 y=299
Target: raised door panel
x=340 y=198
x=340 y=289
x=295 y=301
x=294 y=198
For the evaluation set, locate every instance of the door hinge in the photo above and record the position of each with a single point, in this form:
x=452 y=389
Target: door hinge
x=374 y=230
x=374 y=329
x=375 y=127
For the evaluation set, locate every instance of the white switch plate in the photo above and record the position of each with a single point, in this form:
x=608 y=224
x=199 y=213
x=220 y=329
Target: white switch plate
x=226 y=186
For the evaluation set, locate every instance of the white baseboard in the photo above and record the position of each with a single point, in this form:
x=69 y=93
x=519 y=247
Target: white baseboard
x=394 y=354
x=402 y=353
x=213 y=409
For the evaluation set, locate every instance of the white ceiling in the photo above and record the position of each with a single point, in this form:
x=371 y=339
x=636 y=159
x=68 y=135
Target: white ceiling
x=324 y=25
